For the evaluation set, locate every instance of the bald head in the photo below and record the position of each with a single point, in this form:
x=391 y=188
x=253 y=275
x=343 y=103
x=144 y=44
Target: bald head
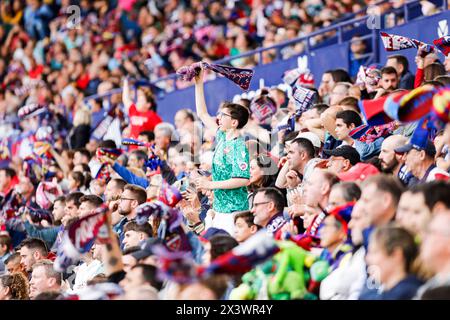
x=390 y=161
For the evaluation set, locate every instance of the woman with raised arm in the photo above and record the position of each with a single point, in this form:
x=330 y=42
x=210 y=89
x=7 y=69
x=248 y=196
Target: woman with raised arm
x=142 y=114
x=230 y=169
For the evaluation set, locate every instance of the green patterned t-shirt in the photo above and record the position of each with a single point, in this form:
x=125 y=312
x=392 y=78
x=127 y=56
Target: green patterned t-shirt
x=231 y=160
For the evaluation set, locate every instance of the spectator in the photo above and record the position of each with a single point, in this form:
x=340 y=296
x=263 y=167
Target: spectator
x=88 y=204
x=342 y=159
x=244 y=226
x=135 y=234
x=13 y=287
x=405 y=77
x=81 y=131
x=267 y=209
x=44 y=278
x=32 y=251
x=389 y=78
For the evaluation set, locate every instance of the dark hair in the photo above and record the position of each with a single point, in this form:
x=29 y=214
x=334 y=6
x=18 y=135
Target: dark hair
x=274 y=195
x=13 y=256
x=48 y=295
x=340 y=75
x=189 y=114
x=388 y=70
x=92 y=199
x=444 y=79
x=306 y=146
x=134 y=226
x=149 y=134
x=266 y=164
x=400 y=60
x=387 y=184
x=150 y=275
x=140 y=155
x=17 y=284
x=60 y=199
x=221 y=244
x=9 y=172
x=78 y=176
x=247 y=216
x=107 y=144
x=237 y=112
x=290 y=136
x=349 y=102
x=320 y=107
x=35 y=244
x=350 y=190
x=84 y=152
x=139 y=192
x=431 y=71
x=5 y=240
x=349 y=117
x=434 y=192
x=119 y=183
x=391 y=237
x=434 y=83
x=131 y=250
x=75 y=197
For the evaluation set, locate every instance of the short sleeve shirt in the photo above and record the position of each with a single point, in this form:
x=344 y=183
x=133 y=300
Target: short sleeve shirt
x=231 y=160
x=141 y=121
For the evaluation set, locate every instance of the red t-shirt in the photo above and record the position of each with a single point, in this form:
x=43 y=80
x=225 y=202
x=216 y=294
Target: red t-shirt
x=142 y=121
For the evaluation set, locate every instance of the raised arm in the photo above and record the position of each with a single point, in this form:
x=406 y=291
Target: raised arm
x=127 y=102
x=200 y=103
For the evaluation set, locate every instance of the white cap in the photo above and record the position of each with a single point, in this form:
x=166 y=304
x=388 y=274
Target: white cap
x=314 y=138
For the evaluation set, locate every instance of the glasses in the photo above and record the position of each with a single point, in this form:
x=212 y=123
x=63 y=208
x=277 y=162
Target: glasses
x=126 y=199
x=257 y=204
x=221 y=114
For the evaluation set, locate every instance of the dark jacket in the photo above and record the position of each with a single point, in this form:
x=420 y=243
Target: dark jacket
x=79 y=137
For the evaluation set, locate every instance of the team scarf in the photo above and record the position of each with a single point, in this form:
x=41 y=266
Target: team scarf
x=369 y=77
x=393 y=42
x=134 y=142
x=176 y=266
x=343 y=214
x=257 y=249
x=30 y=110
x=441 y=104
x=169 y=194
x=46 y=193
x=111 y=153
x=170 y=230
x=36 y=214
x=443 y=44
x=303 y=98
x=241 y=77
x=368 y=134
x=80 y=236
x=262 y=108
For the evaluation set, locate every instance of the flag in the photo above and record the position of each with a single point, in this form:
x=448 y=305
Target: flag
x=443 y=44
x=46 y=194
x=373 y=111
x=175 y=266
x=30 y=110
x=394 y=42
x=263 y=107
x=257 y=249
x=169 y=194
x=170 y=231
x=303 y=98
x=416 y=104
x=242 y=77
x=114 y=132
x=80 y=236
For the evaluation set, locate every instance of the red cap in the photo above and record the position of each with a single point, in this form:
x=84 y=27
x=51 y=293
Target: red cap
x=360 y=171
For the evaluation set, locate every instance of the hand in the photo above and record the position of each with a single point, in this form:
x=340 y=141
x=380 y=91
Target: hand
x=420 y=61
x=293 y=180
x=290 y=227
x=192 y=197
x=203 y=183
x=198 y=79
x=45 y=224
x=191 y=215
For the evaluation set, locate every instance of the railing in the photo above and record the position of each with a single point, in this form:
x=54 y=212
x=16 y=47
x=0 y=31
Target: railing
x=338 y=28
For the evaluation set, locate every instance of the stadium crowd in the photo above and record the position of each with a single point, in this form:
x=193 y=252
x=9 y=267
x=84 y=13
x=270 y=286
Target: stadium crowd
x=282 y=196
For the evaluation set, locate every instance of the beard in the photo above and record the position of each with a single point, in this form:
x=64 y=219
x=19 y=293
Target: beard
x=389 y=167
x=122 y=212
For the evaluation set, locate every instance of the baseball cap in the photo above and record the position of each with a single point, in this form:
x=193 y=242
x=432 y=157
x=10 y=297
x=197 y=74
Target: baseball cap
x=345 y=151
x=314 y=138
x=361 y=171
x=429 y=148
x=211 y=232
x=146 y=249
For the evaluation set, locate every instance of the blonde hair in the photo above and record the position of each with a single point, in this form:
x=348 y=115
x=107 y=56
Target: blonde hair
x=82 y=116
